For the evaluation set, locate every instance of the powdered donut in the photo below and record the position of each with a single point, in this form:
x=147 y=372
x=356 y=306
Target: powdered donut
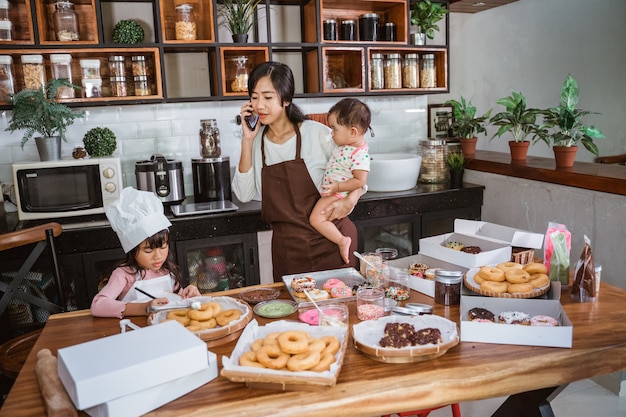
x=514 y=317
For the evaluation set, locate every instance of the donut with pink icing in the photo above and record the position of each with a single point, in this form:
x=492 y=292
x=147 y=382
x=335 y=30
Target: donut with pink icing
x=340 y=292
x=542 y=320
x=332 y=283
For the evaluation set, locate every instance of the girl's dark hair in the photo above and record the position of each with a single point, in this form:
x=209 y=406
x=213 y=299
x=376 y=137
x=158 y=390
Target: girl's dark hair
x=155 y=241
x=281 y=77
x=352 y=112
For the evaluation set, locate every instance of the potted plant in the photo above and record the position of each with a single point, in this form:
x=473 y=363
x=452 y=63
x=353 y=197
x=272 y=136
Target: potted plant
x=570 y=129
x=37 y=111
x=467 y=125
x=519 y=120
x=100 y=141
x=128 y=32
x=425 y=15
x=238 y=17
x=456 y=163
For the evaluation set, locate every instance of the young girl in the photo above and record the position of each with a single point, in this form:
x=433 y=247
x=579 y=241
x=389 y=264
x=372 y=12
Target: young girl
x=138 y=219
x=347 y=168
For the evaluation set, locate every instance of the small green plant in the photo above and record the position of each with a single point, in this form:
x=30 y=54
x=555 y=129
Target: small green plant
x=128 y=32
x=517 y=119
x=238 y=15
x=36 y=111
x=426 y=14
x=100 y=141
x=466 y=124
x=568 y=121
x=456 y=161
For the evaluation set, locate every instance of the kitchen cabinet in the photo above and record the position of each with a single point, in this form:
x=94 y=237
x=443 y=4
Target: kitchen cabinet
x=289 y=31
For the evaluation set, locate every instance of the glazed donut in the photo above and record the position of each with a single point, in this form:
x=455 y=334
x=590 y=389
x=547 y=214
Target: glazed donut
x=340 y=292
x=523 y=288
x=304 y=361
x=478 y=279
x=491 y=274
x=516 y=276
x=302 y=283
x=326 y=360
x=217 y=307
x=542 y=320
x=257 y=344
x=205 y=312
x=293 y=342
x=539 y=280
x=272 y=357
x=227 y=316
x=249 y=359
x=494 y=286
x=271 y=338
x=505 y=266
x=179 y=315
x=332 y=283
x=196 y=326
x=332 y=344
x=536 y=268
x=317 y=344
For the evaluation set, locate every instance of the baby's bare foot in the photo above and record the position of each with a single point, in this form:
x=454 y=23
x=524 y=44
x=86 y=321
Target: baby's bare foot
x=344 y=248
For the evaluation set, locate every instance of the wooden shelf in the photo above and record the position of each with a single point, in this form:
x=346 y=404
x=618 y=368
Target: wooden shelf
x=203 y=17
x=87 y=23
x=255 y=55
x=342 y=72
x=20 y=15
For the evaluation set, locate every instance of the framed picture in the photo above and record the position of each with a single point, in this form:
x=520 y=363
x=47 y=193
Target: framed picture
x=440 y=118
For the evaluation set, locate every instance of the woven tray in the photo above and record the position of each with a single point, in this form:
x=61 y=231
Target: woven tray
x=468 y=279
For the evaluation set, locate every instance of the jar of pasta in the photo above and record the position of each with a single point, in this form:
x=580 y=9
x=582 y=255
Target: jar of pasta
x=139 y=66
x=410 y=71
x=393 y=71
x=141 y=85
x=428 y=72
x=117 y=66
x=377 y=77
x=34 y=71
x=118 y=87
x=185 y=23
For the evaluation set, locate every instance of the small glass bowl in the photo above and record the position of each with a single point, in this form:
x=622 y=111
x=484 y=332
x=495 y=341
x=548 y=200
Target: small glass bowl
x=275 y=309
x=257 y=295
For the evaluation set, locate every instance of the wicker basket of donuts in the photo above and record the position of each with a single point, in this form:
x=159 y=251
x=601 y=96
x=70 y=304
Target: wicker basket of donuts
x=405 y=339
x=287 y=356
x=219 y=319
x=509 y=280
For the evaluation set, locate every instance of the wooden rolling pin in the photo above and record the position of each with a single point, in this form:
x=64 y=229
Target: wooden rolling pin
x=58 y=403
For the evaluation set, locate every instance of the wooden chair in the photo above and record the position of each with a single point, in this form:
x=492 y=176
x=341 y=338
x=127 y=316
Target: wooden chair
x=319 y=117
x=456 y=411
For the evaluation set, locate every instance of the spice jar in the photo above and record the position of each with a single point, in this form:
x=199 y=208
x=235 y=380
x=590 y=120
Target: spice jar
x=428 y=73
x=209 y=139
x=61 y=69
x=239 y=75
x=141 y=85
x=410 y=71
x=330 y=30
x=348 y=30
x=393 y=71
x=139 y=65
x=116 y=66
x=377 y=76
x=389 y=32
x=368 y=26
x=434 y=168
x=185 y=23
x=65 y=22
x=33 y=70
x=118 y=87
x=5 y=30
x=448 y=287
x=6 y=78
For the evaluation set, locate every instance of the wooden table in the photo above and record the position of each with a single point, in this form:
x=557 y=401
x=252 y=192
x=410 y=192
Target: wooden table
x=469 y=371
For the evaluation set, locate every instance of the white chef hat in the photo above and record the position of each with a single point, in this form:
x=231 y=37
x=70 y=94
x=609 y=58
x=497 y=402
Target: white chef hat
x=136 y=216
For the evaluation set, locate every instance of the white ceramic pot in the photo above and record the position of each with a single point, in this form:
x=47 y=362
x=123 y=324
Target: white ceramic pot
x=393 y=171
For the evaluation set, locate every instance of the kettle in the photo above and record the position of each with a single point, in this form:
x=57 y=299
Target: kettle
x=163 y=177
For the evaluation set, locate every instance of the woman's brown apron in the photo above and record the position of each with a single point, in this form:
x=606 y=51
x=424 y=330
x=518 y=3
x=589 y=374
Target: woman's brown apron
x=287 y=201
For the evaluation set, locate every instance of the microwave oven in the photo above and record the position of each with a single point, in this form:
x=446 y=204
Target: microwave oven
x=66 y=188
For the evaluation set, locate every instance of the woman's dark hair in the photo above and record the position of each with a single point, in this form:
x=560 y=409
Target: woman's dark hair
x=154 y=242
x=352 y=112
x=281 y=77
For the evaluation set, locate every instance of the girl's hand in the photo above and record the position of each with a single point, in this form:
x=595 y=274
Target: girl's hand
x=330 y=189
x=190 y=291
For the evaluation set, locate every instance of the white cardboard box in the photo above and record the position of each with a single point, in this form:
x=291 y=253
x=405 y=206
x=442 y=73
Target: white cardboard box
x=514 y=334
x=425 y=286
x=494 y=240
x=142 y=402
x=115 y=366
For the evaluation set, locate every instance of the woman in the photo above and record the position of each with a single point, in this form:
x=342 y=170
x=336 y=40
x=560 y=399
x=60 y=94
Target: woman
x=283 y=161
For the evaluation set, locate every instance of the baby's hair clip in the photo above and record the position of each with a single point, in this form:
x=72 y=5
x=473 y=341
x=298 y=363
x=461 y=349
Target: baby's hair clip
x=371 y=131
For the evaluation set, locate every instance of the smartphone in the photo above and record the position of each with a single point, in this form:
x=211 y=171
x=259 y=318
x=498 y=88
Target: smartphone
x=252 y=120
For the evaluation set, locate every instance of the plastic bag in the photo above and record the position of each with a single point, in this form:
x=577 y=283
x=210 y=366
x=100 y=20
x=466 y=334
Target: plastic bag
x=557 y=246
x=584 y=287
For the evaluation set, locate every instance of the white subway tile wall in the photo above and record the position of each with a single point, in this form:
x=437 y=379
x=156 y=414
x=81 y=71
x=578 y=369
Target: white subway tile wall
x=171 y=129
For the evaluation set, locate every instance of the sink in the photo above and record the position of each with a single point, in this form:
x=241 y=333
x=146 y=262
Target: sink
x=393 y=171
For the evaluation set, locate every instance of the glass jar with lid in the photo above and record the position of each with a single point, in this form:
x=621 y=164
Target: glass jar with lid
x=393 y=71
x=410 y=71
x=434 y=168
x=6 y=78
x=6 y=28
x=141 y=85
x=65 y=22
x=330 y=30
x=185 y=23
x=33 y=71
x=117 y=66
x=239 y=74
x=118 y=87
x=348 y=30
x=139 y=66
x=377 y=76
x=62 y=69
x=428 y=72
x=210 y=139
x=368 y=27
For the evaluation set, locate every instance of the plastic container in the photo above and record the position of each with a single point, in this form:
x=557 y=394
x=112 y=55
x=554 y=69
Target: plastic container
x=370 y=303
x=90 y=68
x=4 y=9
x=238 y=74
x=185 y=23
x=348 y=30
x=62 y=69
x=410 y=71
x=434 y=167
x=387 y=253
x=368 y=27
x=34 y=71
x=428 y=72
x=66 y=22
x=393 y=71
x=371 y=257
x=6 y=27
x=118 y=87
x=377 y=75
x=139 y=65
x=117 y=66
x=7 y=86
x=140 y=83
x=397 y=285
x=448 y=287
x=335 y=315
x=92 y=87
x=330 y=30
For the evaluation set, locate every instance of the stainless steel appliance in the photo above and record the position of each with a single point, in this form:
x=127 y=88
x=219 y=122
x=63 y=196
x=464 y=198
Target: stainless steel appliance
x=162 y=176
x=211 y=179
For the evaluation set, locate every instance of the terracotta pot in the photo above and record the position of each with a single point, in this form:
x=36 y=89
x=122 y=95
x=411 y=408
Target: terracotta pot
x=519 y=150
x=468 y=146
x=565 y=156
